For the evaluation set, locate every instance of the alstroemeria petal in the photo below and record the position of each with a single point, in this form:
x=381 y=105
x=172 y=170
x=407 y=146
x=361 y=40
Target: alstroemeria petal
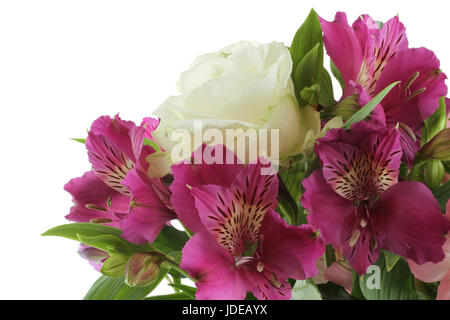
x=94 y=200
x=264 y=285
x=422 y=85
x=148 y=213
x=339 y=223
x=212 y=268
x=234 y=215
x=343 y=48
x=360 y=162
x=444 y=288
x=412 y=222
x=289 y=251
x=187 y=176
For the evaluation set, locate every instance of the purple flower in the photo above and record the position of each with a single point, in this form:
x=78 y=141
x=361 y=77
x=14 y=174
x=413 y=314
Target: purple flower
x=241 y=244
x=118 y=191
x=370 y=58
x=360 y=207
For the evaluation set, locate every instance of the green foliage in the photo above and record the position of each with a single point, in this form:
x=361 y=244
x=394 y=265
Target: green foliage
x=434 y=123
x=442 y=194
x=110 y=288
x=381 y=284
x=305 y=290
x=365 y=111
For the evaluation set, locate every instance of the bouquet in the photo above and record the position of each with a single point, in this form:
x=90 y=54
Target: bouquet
x=255 y=182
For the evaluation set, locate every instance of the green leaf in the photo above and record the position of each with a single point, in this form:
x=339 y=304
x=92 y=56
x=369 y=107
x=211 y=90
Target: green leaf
x=170 y=240
x=71 y=230
x=337 y=74
x=397 y=284
x=442 y=194
x=308 y=71
x=109 y=288
x=326 y=96
x=306 y=38
x=365 y=111
x=82 y=141
x=286 y=204
x=98 y=236
x=305 y=290
x=173 y=296
x=114 y=266
x=438 y=148
x=148 y=142
x=331 y=291
x=434 y=123
x=356 y=288
x=293 y=176
x=188 y=290
x=391 y=259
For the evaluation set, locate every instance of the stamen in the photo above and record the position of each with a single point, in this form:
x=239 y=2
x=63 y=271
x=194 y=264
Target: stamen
x=363 y=223
x=354 y=238
x=100 y=220
x=260 y=266
x=416 y=93
x=410 y=81
x=95 y=207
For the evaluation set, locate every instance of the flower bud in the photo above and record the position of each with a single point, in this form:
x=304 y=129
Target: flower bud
x=142 y=269
x=437 y=148
x=434 y=173
x=311 y=95
x=345 y=108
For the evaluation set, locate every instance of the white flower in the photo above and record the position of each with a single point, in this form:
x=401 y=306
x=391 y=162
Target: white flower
x=243 y=86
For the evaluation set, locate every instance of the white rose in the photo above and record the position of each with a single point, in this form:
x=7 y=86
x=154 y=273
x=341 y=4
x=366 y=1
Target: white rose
x=243 y=86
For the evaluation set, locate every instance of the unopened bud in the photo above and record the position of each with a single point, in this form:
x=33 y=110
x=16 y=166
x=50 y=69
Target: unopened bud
x=434 y=173
x=92 y=254
x=345 y=108
x=142 y=269
x=311 y=95
x=437 y=148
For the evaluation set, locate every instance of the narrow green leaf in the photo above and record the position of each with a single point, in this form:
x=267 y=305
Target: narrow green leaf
x=173 y=296
x=391 y=259
x=97 y=236
x=434 y=123
x=109 y=288
x=148 y=142
x=337 y=74
x=71 y=230
x=188 y=290
x=305 y=290
x=326 y=97
x=308 y=71
x=356 y=288
x=82 y=141
x=293 y=176
x=397 y=284
x=286 y=204
x=306 y=38
x=442 y=194
x=367 y=109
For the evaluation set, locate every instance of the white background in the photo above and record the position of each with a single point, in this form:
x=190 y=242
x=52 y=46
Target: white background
x=64 y=63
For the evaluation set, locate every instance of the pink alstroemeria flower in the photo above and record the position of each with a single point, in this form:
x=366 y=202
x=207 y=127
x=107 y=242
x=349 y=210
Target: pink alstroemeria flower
x=432 y=272
x=370 y=58
x=241 y=244
x=118 y=191
x=359 y=206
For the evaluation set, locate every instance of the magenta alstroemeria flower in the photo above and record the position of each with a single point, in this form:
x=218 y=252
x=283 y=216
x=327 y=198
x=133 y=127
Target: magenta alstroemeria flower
x=94 y=201
x=242 y=244
x=433 y=272
x=370 y=58
x=359 y=206
x=118 y=191
x=115 y=147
